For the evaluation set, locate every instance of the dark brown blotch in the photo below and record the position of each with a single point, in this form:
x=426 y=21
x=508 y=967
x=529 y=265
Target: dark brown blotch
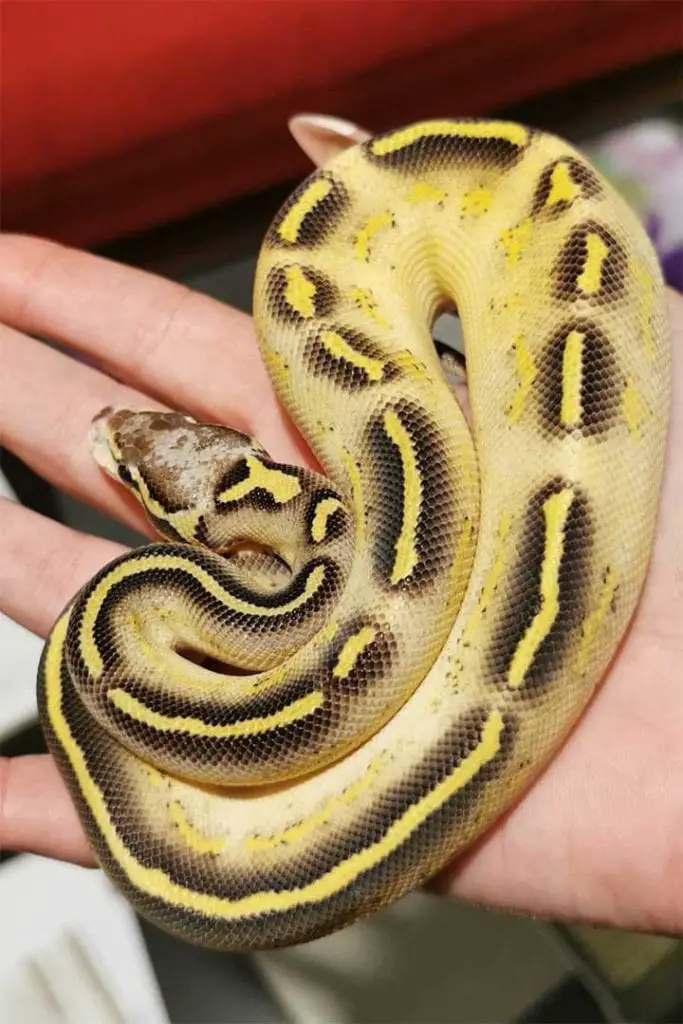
x=587 y=181
x=343 y=372
x=434 y=536
x=600 y=382
x=572 y=262
x=371 y=665
x=316 y=225
x=436 y=152
x=324 y=299
x=523 y=597
x=337 y=522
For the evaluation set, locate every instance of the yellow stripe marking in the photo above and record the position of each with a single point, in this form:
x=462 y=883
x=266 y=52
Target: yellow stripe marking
x=277 y=365
x=590 y=626
x=156 y=883
x=645 y=309
x=596 y=252
x=425 y=193
x=325 y=508
x=406 y=552
x=563 y=188
x=525 y=369
x=282 y=487
x=291 y=225
x=477 y=202
x=341 y=349
x=466 y=463
x=353 y=472
x=555 y=511
x=352 y=650
x=138 y=710
x=406 y=361
x=196 y=840
x=493 y=576
x=633 y=409
x=328 y=632
x=295 y=833
x=367 y=302
x=125 y=570
x=374 y=224
x=299 y=292
x=513 y=133
x=460 y=569
x=515 y=240
x=572 y=376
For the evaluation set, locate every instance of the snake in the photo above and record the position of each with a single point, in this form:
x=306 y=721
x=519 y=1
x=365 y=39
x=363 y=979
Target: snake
x=319 y=686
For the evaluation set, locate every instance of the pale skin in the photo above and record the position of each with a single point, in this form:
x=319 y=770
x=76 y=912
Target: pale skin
x=598 y=838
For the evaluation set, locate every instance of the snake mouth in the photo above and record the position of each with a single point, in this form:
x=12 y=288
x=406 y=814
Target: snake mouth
x=99 y=441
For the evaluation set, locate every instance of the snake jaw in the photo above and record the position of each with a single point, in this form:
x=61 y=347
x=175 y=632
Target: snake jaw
x=100 y=442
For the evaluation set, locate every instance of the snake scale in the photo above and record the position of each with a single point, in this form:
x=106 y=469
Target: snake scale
x=411 y=635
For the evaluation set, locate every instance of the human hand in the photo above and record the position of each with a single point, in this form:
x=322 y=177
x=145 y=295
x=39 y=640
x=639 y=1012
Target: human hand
x=599 y=837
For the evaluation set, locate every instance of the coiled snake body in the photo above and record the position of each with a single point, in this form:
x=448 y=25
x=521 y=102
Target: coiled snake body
x=417 y=630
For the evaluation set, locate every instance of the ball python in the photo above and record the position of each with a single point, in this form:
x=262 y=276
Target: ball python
x=317 y=688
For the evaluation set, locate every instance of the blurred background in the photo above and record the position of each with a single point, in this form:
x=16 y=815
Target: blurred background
x=154 y=132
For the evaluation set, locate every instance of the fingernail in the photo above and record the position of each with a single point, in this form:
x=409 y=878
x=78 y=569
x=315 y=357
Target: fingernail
x=328 y=123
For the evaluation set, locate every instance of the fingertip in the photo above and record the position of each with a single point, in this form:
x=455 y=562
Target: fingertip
x=36 y=811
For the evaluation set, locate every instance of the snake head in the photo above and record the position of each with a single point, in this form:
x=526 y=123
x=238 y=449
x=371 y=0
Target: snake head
x=168 y=460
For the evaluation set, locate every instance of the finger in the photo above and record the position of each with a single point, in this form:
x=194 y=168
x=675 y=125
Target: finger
x=36 y=812
x=46 y=558
x=42 y=557
x=183 y=348
x=47 y=401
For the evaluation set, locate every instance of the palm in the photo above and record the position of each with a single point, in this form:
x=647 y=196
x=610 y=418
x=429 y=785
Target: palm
x=599 y=837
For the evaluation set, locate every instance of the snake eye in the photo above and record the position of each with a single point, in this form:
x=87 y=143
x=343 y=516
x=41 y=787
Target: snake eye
x=126 y=475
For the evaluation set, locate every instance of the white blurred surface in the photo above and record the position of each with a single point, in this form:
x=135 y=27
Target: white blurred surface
x=423 y=959
x=71 y=949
